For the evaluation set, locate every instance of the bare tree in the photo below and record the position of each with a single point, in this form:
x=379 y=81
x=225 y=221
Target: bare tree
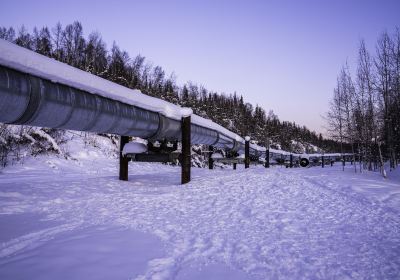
x=366 y=100
x=383 y=86
x=335 y=118
x=57 y=41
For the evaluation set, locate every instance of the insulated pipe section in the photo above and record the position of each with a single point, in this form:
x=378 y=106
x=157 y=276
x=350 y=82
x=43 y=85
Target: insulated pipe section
x=254 y=149
x=225 y=141
x=29 y=100
x=14 y=92
x=170 y=129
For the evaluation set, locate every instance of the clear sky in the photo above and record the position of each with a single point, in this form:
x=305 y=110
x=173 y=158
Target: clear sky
x=283 y=55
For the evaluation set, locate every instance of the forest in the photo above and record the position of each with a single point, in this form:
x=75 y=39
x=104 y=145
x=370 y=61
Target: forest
x=365 y=108
x=69 y=45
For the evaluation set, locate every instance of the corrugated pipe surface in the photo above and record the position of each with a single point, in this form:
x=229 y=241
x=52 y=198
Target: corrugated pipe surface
x=30 y=100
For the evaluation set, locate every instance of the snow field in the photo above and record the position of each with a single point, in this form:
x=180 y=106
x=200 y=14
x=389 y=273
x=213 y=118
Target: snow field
x=278 y=223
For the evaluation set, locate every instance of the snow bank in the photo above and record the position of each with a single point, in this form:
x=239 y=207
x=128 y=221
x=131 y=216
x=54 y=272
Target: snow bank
x=46 y=136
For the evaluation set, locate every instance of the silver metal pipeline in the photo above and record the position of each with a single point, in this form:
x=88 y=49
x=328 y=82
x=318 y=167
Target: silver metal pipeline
x=26 y=99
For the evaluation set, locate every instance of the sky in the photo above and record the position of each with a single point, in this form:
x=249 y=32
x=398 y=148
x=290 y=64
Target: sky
x=282 y=55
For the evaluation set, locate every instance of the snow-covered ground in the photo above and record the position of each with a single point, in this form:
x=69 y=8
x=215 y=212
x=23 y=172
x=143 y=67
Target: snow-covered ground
x=73 y=219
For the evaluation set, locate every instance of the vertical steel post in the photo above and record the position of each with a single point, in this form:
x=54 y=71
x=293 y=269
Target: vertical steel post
x=267 y=158
x=123 y=161
x=186 y=156
x=291 y=161
x=210 y=159
x=267 y=155
x=247 y=153
x=234 y=166
x=323 y=161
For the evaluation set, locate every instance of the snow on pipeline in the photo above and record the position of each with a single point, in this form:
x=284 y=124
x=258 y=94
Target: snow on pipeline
x=27 y=61
x=73 y=219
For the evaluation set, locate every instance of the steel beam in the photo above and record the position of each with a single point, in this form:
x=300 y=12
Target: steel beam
x=210 y=159
x=267 y=158
x=186 y=150
x=123 y=160
x=247 y=154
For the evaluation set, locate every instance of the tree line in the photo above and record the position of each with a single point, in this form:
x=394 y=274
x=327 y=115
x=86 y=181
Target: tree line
x=68 y=44
x=365 y=108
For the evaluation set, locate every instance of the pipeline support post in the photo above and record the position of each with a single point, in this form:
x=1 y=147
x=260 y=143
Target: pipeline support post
x=247 y=152
x=267 y=154
x=291 y=161
x=267 y=158
x=123 y=160
x=323 y=161
x=186 y=153
x=210 y=159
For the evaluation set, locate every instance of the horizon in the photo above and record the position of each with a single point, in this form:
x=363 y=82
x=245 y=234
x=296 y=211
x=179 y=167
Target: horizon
x=204 y=45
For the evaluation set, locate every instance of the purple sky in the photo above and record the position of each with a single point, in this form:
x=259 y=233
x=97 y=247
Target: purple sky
x=283 y=55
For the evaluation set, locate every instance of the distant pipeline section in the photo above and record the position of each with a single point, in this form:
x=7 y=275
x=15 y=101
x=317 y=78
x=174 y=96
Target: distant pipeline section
x=30 y=100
